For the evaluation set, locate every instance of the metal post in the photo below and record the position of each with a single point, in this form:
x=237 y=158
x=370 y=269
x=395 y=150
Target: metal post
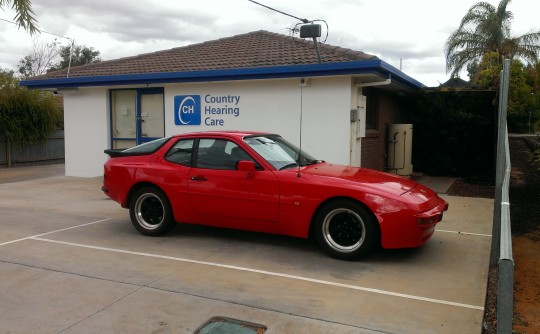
x=505 y=297
x=530 y=112
x=317 y=49
x=501 y=215
x=501 y=156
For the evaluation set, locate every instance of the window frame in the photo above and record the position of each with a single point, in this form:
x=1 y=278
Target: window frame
x=372 y=108
x=225 y=167
x=167 y=154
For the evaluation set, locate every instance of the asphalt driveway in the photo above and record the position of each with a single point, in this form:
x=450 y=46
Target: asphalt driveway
x=71 y=262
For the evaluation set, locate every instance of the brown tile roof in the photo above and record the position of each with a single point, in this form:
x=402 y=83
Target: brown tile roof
x=251 y=50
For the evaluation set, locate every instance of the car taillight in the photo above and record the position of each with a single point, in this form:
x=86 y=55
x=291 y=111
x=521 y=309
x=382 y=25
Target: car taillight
x=427 y=220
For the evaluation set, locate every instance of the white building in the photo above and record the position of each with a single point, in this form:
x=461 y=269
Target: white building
x=256 y=81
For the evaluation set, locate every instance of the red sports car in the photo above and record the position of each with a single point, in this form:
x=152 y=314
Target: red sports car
x=260 y=182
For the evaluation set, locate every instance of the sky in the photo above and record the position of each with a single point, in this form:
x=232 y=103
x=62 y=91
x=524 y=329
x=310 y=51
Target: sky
x=405 y=34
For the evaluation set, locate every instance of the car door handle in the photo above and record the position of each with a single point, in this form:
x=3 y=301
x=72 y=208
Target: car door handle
x=198 y=178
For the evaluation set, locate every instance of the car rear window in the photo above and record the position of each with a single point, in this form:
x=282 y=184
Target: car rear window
x=149 y=147
x=143 y=149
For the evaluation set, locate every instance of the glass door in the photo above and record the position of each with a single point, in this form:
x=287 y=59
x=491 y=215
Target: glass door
x=151 y=117
x=124 y=118
x=137 y=116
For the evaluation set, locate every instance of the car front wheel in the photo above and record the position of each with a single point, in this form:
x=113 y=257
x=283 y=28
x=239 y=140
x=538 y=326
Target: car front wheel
x=150 y=212
x=346 y=230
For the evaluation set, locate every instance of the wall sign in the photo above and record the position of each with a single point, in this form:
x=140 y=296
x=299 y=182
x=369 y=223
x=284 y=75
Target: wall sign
x=217 y=109
x=187 y=110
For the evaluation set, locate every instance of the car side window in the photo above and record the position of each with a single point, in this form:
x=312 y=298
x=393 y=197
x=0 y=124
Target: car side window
x=181 y=152
x=220 y=154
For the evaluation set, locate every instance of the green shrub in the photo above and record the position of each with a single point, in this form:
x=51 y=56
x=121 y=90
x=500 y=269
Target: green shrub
x=26 y=116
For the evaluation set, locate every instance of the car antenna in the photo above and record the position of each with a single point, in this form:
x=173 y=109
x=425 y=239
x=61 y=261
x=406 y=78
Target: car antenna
x=302 y=83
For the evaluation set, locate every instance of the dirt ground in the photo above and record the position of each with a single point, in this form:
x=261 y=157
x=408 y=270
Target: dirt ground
x=525 y=218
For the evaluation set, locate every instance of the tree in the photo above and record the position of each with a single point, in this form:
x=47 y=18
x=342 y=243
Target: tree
x=47 y=57
x=485 y=29
x=24 y=14
x=40 y=59
x=26 y=115
x=5 y=77
x=80 y=55
x=523 y=103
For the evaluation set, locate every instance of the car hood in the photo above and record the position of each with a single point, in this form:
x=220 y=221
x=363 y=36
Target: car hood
x=386 y=182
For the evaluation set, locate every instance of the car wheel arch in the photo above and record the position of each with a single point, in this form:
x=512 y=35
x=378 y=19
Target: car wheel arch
x=138 y=186
x=334 y=199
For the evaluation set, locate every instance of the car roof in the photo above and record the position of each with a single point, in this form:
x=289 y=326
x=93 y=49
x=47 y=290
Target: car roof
x=237 y=134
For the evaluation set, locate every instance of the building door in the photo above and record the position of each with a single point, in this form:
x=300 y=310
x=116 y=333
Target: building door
x=150 y=119
x=137 y=116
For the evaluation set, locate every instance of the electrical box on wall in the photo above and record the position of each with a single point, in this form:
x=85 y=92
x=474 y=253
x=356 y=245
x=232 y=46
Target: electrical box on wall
x=400 y=149
x=354 y=115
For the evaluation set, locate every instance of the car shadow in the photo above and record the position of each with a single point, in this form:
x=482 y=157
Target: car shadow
x=380 y=255
x=296 y=247
x=240 y=236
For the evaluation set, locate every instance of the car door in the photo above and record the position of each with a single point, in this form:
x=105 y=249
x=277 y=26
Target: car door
x=216 y=188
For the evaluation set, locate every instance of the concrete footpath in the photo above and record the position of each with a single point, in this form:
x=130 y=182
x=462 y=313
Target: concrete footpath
x=71 y=262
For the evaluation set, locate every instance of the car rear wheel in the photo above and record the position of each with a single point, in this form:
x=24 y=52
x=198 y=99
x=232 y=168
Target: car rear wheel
x=346 y=230
x=150 y=212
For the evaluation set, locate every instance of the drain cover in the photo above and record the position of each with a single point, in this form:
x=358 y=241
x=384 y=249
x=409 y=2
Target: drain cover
x=222 y=325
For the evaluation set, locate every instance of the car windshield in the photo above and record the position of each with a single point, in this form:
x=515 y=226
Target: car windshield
x=279 y=152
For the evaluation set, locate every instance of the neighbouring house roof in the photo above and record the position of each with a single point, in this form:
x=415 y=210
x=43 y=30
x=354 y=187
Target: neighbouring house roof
x=255 y=55
x=456 y=84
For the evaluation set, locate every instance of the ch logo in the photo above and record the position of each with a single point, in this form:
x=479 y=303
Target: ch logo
x=187 y=110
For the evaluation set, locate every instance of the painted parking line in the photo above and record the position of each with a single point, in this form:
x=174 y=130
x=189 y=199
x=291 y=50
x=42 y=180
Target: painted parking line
x=55 y=231
x=264 y=272
x=465 y=233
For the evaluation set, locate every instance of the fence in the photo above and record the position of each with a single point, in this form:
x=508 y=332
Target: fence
x=501 y=251
x=533 y=145
x=49 y=151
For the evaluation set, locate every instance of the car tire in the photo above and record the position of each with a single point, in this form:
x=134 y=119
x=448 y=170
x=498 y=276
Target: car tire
x=346 y=230
x=150 y=212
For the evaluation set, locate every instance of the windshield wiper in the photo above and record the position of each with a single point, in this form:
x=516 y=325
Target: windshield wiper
x=296 y=164
x=292 y=164
x=313 y=162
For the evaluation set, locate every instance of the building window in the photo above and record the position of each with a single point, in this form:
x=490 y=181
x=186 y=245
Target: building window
x=371 y=108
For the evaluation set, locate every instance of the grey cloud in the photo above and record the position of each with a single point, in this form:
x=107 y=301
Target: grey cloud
x=125 y=21
x=387 y=48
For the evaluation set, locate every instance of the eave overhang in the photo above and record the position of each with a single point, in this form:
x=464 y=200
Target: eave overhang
x=373 y=68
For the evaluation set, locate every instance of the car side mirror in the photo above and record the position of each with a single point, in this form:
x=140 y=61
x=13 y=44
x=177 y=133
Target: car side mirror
x=245 y=166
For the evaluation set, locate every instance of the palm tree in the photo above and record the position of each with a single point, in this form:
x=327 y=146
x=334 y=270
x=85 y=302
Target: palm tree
x=25 y=16
x=486 y=29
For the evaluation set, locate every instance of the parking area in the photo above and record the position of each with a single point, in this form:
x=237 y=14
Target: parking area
x=71 y=262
